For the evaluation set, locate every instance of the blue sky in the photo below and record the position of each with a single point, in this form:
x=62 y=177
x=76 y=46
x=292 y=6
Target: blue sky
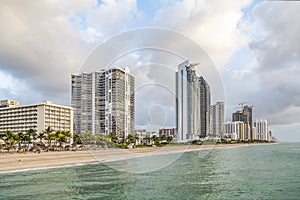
x=253 y=45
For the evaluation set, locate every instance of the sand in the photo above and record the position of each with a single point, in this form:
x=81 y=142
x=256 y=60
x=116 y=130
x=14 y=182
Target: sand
x=31 y=161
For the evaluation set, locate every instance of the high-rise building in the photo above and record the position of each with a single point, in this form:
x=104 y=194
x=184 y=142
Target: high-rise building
x=192 y=103
x=217 y=119
x=247 y=110
x=205 y=103
x=234 y=130
x=104 y=102
x=21 y=118
x=262 y=130
x=246 y=117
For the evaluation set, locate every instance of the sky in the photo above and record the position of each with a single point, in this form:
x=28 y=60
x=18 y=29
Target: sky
x=253 y=44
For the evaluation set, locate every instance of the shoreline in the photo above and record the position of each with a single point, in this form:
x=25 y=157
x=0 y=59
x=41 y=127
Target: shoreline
x=11 y=163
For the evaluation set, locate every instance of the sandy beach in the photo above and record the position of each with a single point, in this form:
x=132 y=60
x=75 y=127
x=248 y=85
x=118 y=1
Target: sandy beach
x=18 y=162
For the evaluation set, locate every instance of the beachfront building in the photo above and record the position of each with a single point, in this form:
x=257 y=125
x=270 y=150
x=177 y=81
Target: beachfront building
x=192 y=103
x=234 y=130
x=262 y=130
x=104 y=102
x=21 y=118
x=205 y=103
x=143 y=137
x=217 y=120
x=168 y=132
x=245 y=116
x=254 y=133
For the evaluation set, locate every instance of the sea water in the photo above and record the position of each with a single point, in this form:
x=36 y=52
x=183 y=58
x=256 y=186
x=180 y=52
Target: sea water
x=252 y=172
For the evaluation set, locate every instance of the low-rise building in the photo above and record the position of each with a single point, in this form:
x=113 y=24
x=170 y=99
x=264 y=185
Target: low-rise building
x=143 y=137
x=168 y=132
x=21 y=118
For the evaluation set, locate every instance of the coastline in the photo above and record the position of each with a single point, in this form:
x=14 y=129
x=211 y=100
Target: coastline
x=46 y=160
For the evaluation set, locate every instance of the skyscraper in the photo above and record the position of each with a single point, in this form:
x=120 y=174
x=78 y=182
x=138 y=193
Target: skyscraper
x=205 y=103
x=217 y=119
x=247 y=110
x=262 y=130
x=246 y=117
x=104 y=102
x=192 y=103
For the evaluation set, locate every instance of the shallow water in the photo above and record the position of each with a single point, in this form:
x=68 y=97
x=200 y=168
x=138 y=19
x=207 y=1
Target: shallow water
x=254 y=172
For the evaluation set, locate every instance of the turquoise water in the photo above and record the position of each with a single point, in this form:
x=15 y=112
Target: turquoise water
x=255 y=172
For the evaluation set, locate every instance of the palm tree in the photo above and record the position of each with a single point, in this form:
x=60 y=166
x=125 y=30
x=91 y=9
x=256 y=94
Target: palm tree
x=59 y=137
x=32 y=135
x=169 y=139
x=114 y=138
x=22 y=139
x=68 y=135
x=155 y=140
x=10 y=139
x=41 y=136
x=51 y=137
x=131 y=139
x=77 y=139
x=87 y=138
x=47 y=132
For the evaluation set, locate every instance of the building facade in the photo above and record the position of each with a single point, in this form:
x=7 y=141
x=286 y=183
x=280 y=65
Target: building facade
x=262 y=130
x=217 y=120
x=36 y=116
x=234 y=130
x=104 y=102
x=247 y=110
x=205 y=104
x=192 y=103
x=245 y=116
x=168 y=132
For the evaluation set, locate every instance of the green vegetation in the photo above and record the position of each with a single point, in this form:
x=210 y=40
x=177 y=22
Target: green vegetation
x=51 y=140
x=47 y=140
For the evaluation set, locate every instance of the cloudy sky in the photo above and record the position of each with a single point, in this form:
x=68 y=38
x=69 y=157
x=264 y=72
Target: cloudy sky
x=254 y=45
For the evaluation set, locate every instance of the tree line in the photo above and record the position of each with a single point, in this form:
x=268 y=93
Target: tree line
x=50 y=140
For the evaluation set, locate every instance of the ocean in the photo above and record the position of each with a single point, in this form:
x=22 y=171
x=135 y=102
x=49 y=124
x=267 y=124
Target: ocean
x=252 y=172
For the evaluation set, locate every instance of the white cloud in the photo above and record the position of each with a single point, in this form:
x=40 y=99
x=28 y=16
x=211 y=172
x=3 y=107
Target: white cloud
x=213 y=24
x=40 y=45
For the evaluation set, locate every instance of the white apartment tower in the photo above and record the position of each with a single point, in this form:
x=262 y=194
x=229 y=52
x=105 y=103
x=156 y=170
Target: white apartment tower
x=262 y=130
x=217 y=119
x=104 y=102
x=192 y=103
x=235 y=130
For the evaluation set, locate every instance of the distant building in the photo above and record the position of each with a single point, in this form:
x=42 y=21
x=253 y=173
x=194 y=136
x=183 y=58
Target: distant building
x=38 y=117
x=144 y=137
x=262 y=130
x=168 y=132
x=254 y=133
x=234 y=130
x=246 y=117
x=247 y=110
x=8 y=103
x=205 y=103
x=192 y=103
x=104 y=102
x=217 y=119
